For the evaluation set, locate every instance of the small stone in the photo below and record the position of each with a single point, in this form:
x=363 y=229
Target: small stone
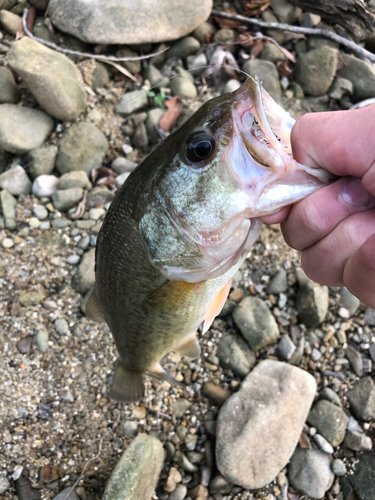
x=180 y=406
x=362 y=398
x=372 y=352
x=62 y=327
x=183 y=87
x=355 y=359
x=96 y=213
x=41 y=340
x=361 y=74
x=312 y=304
x=40 y=212
x=204 y=31
x=10 y=22
x=133 y=67
x=219 y=484
x=23 y=129
x=155 y=77
x=82 y=147
x=273 y=53
x=197 y=63
x=215 y=393
x=323 y=443
x=329 y=420
x=267 y=73
x=152 y=123
x=316 y=69
x=67 y=494
x=34 y=222
x=302 y=278
x=73 y=259
x=140 y=138
x=286 y=347
x=369 y=316
x=231 y=85
x=67 y=396
x=357 y=441
x=310 y=473
x=330 y=395
x=123 y=165
x=235 y=354
x=251 y=446
x=130 y=428
x=45 y=186
x=8 y=207
x=174 y=477
x=30 y=299
x=65 y=199
x=100 y=76
x=84 y=279
x=348 y=300
x=338 y=467
x=183 y=48
x=132 y=102
x=45 y=225
x=16 y=181
x=256 y=322
x=191 y=442
x=75 y=179
x=278 y=282
x=7 y=243
x=340 y=88
x=8 y=88
x=5 y=485
x=224 y=35
x=179 y=493
x=24 y=345
x=185 y=464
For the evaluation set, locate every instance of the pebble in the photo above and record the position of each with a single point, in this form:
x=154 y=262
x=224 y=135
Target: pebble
x=152 y=124
x=369 y=316
x=73 y=259
x=100 y=76
x=340 y=88
x=231 y=85
x=40 y=211
x=224 y=35
x=5 y=485
x=185 y=464
x=45 y=186
x=191 y=442
x=256 y=322
x=82 y=147
x=24 y=345
x=84 y=243
x=183 y=87
x=267 y=73
x=348 y=300
x=357 y=441
x=329 y=420
x=155 y=77
x=219 y=484
x=235 y=354
x=8 y=207
x=10 y=22
x=286 y=347
x=102 y=22
x=197 y=63
x=338 y=467
x=67 y=494
x=34 y=222
x=7 y=243
x=50 y=76
x=203 y=31
x=273 y=53
x=77 y=178
x=180 y=406
x=84 y=279
x=251 y=446
x=65 y=199
x=41 y=340
x=8 y=87
x=355 y=359
x=29 y=299
x=330 y=395
x=130 y=428
x=323 y=443
x=310 y=473
x=62 y=327
x=16 y=181
x=179 y=493
x=183 y=48
x=215 y=393
x=123 y=165
x=23 y=129
x=362 y=398
x=278 y=283
x=140 y=138
x=174 y=477
x=132 y=102
x=361 y=74
x=316 y=69
x=312 y=304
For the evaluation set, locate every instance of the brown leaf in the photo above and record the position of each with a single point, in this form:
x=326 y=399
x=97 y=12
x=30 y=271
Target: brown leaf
x=254 y=43
x=100 y=172
x=304 y=441
x=255 y=7
x=284 y=68
x=227 y=23
x=171 y=116
x=49 y=473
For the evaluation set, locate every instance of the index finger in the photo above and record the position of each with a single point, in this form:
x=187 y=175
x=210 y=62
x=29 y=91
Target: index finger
x=342 y=142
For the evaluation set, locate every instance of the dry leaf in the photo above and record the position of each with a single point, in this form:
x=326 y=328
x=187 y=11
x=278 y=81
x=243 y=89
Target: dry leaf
x=222 y=64
x=284 y=68
x=100 y=173
x=255 y=7
x=171 y=116
x=120 y=68
x=227 y=23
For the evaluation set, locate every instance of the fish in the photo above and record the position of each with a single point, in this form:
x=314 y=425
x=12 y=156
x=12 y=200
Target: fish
x=182 y=224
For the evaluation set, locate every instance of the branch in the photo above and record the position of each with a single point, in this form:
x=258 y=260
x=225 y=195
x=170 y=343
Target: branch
x=299 y=29
x=84 y=54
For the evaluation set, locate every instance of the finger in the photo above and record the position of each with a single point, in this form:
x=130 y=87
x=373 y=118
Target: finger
x=313 y=218
x=325 y=261
x=340 y=141
x=278 y=217
x=359 y=273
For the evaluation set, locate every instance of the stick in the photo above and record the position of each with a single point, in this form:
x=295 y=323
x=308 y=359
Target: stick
x=299 y=29
x=84 y=54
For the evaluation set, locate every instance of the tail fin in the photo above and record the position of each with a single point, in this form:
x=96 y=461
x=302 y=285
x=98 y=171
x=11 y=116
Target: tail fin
x=127 y=387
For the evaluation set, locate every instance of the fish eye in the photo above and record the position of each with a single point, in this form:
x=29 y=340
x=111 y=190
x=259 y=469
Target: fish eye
x=199 y=147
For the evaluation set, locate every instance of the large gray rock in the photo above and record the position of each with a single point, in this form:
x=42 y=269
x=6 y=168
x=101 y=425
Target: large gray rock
x=50 y=76
x=137 y=472
x=362 y=398
x=84 y=279
x=267 y=74
x=361 y=74
x=8 y=88
x=316 y=70
x=255 y=320
x=259 y=426
x=15 y=180
x=235 y=354
x=362 y=479
x=82 y=147
x=128 y=22
x=312 y=304
x=329 y=420
x=23 y=129
x=310 y=472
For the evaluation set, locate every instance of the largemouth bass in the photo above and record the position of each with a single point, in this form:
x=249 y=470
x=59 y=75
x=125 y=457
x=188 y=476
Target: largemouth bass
x=183 y=223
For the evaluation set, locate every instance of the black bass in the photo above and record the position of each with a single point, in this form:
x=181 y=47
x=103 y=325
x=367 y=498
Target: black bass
x=183 y=223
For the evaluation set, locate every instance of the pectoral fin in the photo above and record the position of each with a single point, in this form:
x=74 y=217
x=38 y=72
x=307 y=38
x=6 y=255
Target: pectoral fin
x=216 y=306
x=161 y=374
x=191 y=349
x=127 y=387
x=93 y=310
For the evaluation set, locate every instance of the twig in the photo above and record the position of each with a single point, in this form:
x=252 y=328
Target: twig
x=84 y=54
x=298 y=29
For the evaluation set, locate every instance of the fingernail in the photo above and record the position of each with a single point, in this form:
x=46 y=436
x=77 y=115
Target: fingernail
x=354 y=194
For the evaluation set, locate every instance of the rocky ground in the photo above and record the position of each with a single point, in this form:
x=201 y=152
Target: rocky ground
x=71 y=130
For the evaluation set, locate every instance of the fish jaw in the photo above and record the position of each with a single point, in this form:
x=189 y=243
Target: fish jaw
x=260 y=155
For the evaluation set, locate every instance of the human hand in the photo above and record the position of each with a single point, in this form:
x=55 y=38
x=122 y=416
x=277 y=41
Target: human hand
x=335 y=226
